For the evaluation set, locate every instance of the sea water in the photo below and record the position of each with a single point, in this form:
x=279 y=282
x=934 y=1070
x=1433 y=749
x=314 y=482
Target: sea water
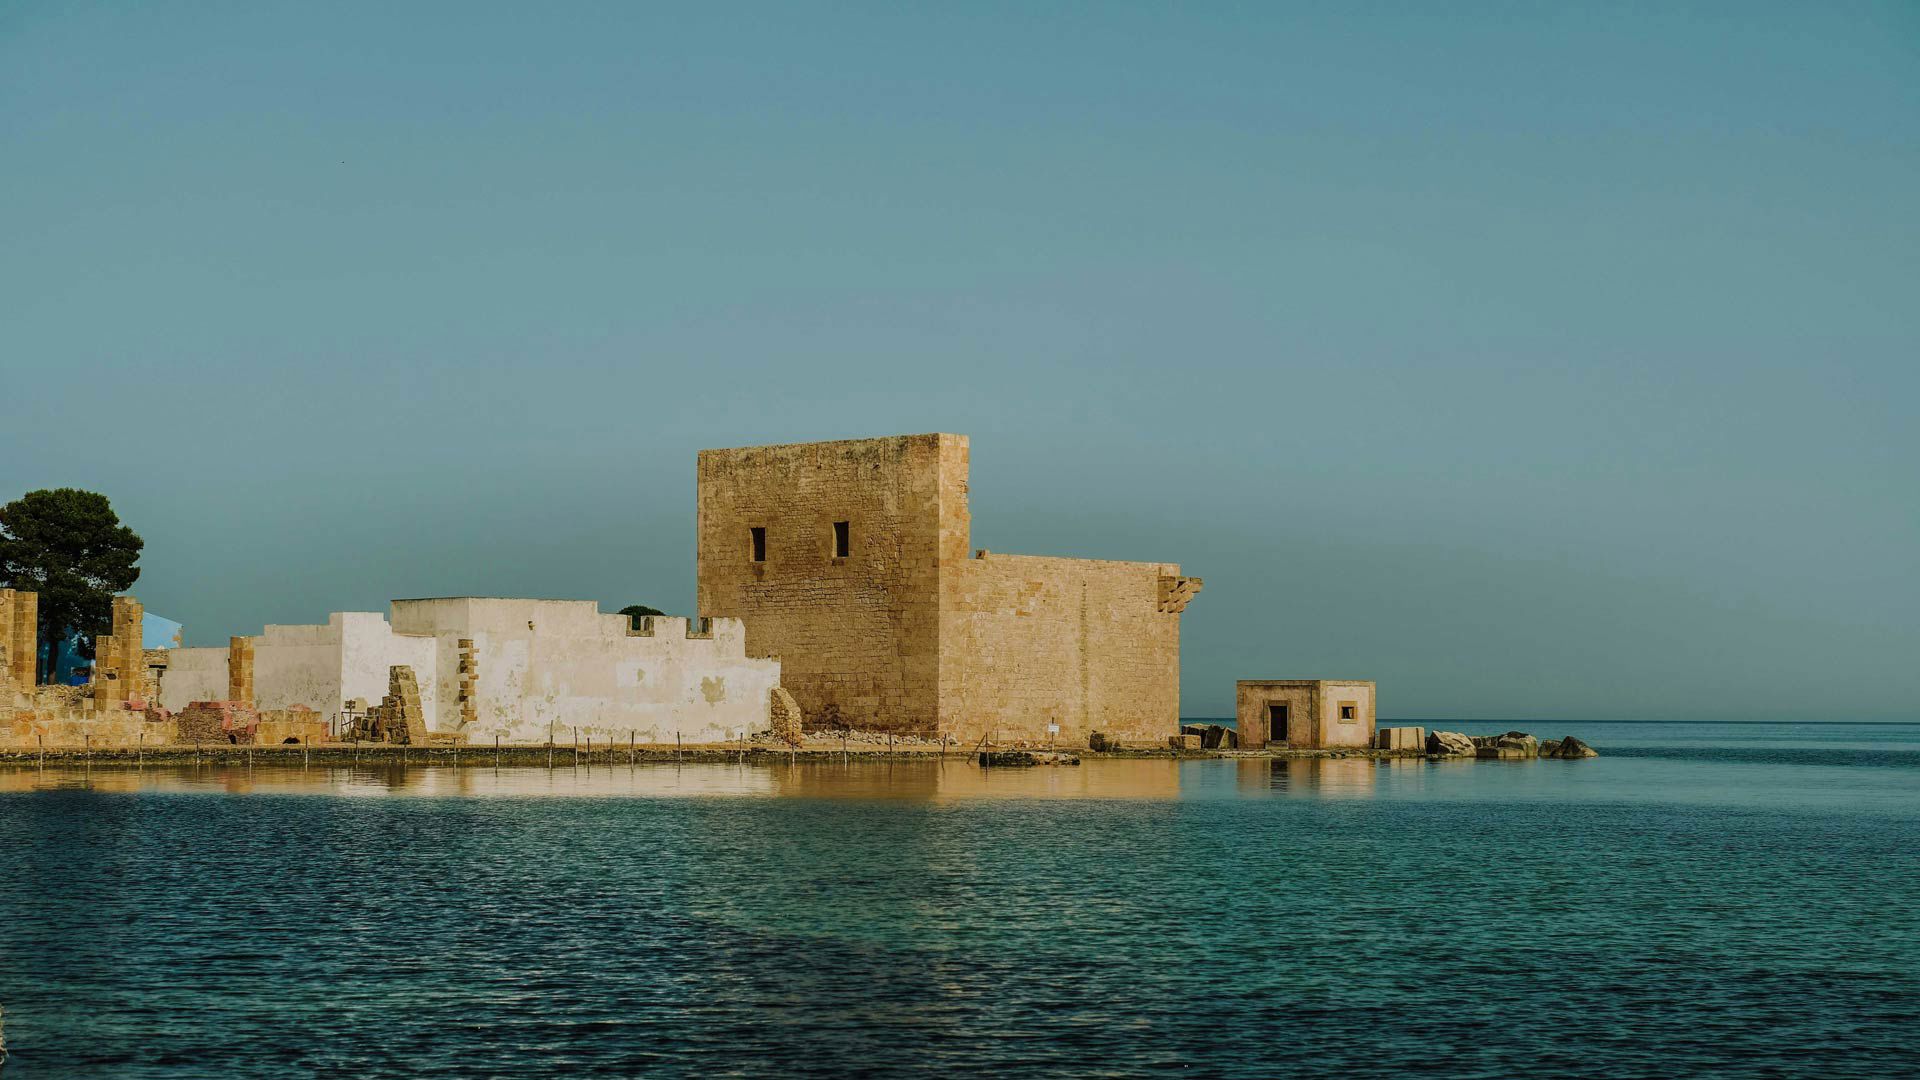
x=1703 y=900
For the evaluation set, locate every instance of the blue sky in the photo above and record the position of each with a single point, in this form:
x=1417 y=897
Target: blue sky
x=1538 y=361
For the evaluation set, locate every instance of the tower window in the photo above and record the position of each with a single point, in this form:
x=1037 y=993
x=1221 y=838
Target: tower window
x=759 y=543
x=842 y=539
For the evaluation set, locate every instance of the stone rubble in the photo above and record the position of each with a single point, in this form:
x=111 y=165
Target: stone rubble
x=1400 y=738
x=1567 y=749
x=784 y=717
x=1449 y=744
x=1514 y=745
x=1213 y=736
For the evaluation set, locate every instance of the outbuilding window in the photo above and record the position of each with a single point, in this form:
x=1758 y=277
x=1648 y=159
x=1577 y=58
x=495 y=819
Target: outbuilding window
x=842 y=539
x=759 y=543
x=1349 y=710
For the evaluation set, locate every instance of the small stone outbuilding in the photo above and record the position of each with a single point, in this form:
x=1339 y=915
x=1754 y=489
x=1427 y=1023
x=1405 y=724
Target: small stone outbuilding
x=1304 y=714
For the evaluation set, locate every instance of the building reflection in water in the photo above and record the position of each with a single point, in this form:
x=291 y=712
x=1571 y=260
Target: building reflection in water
x=1319 y=778
x=1147 y=778
x=872 y=779
x=562 y=781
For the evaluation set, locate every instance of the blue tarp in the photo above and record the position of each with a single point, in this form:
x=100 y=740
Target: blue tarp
x=155 y=633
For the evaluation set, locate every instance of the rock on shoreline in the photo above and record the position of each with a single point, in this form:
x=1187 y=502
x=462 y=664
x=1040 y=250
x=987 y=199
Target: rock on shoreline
x=1568 y=749
x=1026 y=757
x=1514 y=745
x=1511 y=746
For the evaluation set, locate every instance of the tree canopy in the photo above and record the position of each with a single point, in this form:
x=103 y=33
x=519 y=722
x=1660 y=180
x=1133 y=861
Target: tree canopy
x=633 y=612
x=69 y=546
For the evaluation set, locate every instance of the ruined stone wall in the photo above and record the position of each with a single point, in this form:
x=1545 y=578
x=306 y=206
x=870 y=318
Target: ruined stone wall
x=398 y=718
x=19 y=641
x=1031 y=641
x=318 y=667
x=232 y=722
x=322 y=666
x=153 y=674
x=119 y=660
x=240 y=670
x=279 y=727
x=784 y=717
x=858 y=637
x=50 y=726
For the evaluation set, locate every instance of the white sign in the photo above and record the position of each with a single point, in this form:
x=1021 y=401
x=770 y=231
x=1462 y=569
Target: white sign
x=1053 y=729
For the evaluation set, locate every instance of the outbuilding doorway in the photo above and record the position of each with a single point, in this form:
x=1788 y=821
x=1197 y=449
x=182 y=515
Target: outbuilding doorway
x=1277 y=724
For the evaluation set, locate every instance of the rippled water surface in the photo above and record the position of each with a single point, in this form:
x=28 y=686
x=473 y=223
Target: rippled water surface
x=1724 y=900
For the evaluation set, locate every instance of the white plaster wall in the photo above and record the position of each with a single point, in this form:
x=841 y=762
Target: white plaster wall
x=298 y=665
x=369 y=648
x=318 y=666
x=561 y=666
x=193 y=675
x=1338 y=732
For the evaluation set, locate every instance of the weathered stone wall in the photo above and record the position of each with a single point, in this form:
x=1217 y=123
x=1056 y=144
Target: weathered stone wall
x=784 y=717
x=398 y=718
x=218 y=722
x=281 y=726
x=907 y=631
x=19 y=640
x=1314 y=705
x=1031 y=641
x=153 y=673
x=1252 y=712
x=240 y=670
x=119 y=660
x=66 y=727
x=858 y=637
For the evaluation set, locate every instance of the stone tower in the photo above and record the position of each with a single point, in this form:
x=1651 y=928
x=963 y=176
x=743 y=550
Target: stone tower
x=849 y=562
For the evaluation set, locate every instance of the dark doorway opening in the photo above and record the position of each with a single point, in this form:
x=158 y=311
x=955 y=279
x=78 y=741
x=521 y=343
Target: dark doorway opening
x=759 y=543
x=1277 y=724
